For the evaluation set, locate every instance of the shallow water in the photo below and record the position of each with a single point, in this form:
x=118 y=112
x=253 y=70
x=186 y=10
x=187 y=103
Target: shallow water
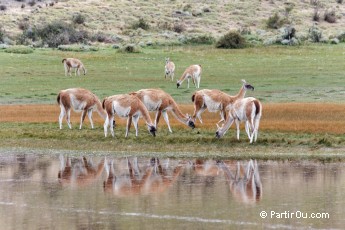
x=83 y=192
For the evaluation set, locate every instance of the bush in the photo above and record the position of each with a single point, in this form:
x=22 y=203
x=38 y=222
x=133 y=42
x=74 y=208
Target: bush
x=330 y=16
x=289 y=32
x=23 y=25
x=100 y=37
x=2 y=35
x=129 y=48
x=78 y=19
x=201 y=39
x=341 y=37
x=315 y=2
x=315 y=35
x=3 y=7
x=141 y=24
x=179 y=27
x=19 y=50
x=32 y=3
x=59 y=33
x=275 y=22
x=316 y=15
x=340 y=1
x=81 y=36
x=77 y=48
x=231 y=40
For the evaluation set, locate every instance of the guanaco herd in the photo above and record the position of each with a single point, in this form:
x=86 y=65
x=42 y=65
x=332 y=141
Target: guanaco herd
x=138 y=104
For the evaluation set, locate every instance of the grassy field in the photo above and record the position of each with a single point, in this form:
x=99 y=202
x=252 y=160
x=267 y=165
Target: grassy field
x=300 y=87
x=279 y=74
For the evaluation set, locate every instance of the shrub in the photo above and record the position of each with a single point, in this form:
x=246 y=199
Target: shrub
x=341 y=37
x=179 y=27
x=77 y=48
x=59 y=33
x=340 y=1
x=2 y=35
x=330 y=16
x=201 y=39
x=19 y=50
x=78 y=19
x=315 y=2
x=81 y=36
x=275 y=22
x=23 y=25
x=141 y=24
x=231 y=40
x=187 y=7
x=3 y=7
x=315 y=35
x=316 y=15
x=129 y=48
x=100 y=37
x=32 y=3
x=289 y=32
x=164 y=25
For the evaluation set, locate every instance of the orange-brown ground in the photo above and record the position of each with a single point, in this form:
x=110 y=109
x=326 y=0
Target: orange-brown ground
x=294 y=117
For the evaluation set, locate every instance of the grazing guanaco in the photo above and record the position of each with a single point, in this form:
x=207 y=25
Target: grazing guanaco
x=73 y=63
x=78 y=99
x=162 y=102
x=125 y=105
x=192 y=72
x=215 y=100
x=248 y=110
x=169 y=69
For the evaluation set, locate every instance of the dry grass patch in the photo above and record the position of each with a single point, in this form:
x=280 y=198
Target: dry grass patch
x=290 y=117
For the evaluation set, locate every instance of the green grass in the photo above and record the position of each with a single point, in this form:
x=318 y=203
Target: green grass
x=182 y=143
x=280 y=74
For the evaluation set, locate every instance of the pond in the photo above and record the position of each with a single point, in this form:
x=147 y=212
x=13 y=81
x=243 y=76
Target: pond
x=65 y=191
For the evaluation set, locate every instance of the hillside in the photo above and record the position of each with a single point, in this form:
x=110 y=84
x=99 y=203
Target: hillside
x=171 y=19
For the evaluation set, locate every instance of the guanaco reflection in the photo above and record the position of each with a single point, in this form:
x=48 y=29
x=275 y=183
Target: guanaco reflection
x=131 y=178
x=79 y=172
x=243 y=177
x=244 y=180
x=128 y=176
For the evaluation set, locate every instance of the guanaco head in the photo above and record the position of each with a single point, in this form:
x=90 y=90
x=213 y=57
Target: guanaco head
x=219 y=132
x=247 y=86
x=167 y=60
x=190 y=121
x=178 y=84
x=152 y=129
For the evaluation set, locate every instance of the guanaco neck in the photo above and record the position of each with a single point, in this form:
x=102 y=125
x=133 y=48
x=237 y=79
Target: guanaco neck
x=177 y=113
x=240 y=94
x=100 y=110
x=145 y=114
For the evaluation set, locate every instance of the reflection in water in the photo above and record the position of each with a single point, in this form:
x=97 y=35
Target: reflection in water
x=244 y=182
x=141 y=193
x=243 y=177
x=81 y=172
x=148 y=178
